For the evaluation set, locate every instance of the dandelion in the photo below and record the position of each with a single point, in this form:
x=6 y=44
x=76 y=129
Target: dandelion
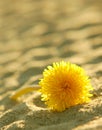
x=64 y=85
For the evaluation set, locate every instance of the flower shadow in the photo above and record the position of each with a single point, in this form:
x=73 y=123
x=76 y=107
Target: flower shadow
x=37 y=101
x=68 y=119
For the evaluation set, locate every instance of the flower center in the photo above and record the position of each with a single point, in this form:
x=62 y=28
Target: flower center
x=66 y=86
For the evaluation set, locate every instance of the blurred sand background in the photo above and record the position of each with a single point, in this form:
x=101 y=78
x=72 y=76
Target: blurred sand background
x=35 y=33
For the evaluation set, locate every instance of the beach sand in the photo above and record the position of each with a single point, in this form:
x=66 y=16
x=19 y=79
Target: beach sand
x=36 y=33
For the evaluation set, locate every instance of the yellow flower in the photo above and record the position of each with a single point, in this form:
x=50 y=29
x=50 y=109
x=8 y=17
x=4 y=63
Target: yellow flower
x=64 y=85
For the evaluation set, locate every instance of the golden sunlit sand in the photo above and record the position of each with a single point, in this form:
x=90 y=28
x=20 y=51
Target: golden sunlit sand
x=33 y=35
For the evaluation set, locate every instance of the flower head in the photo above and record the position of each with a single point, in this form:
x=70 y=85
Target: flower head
x=64 y=85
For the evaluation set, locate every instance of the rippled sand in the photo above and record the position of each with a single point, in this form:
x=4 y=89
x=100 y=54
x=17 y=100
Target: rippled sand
x=35 y=33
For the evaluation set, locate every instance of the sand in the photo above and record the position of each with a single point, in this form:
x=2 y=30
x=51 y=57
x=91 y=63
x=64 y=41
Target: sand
x=35 y=33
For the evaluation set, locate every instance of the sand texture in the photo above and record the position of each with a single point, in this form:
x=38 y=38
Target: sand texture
x=35 y=33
